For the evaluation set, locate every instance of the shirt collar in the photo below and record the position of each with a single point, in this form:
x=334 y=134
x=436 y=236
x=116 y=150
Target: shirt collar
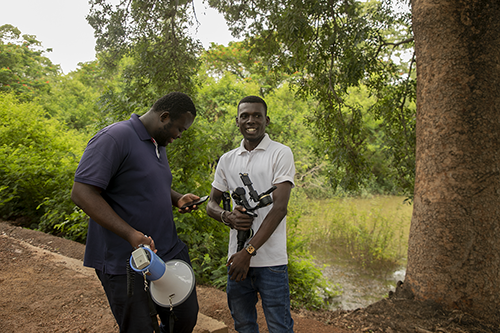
x=263 y=144
x=139 y=127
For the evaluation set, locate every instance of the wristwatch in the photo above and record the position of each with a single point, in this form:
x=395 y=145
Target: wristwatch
x=250 y=249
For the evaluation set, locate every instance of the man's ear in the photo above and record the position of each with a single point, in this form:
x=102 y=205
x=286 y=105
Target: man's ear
x=164 y=116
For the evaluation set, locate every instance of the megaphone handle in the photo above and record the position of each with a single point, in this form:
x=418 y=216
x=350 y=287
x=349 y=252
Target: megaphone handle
x=146 y=287
x=173 y=317
x=130 y=280
x=152 y=309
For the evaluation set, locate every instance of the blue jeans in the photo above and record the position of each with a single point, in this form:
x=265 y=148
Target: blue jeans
x=272 y=285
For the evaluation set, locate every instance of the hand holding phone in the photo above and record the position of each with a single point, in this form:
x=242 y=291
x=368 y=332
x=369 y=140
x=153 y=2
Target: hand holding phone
x=195 y=202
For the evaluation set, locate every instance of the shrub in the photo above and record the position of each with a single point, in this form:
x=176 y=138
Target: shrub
x=38 y=158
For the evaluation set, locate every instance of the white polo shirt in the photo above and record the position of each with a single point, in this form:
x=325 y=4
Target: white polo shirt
x=270 y=163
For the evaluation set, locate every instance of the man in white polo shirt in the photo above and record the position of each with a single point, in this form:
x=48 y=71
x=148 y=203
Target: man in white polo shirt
x=261 y=266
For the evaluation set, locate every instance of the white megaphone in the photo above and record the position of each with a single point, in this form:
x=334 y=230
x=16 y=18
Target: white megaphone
x=171 y=282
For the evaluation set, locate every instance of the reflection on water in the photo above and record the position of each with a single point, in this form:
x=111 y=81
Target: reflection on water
x=359 y=287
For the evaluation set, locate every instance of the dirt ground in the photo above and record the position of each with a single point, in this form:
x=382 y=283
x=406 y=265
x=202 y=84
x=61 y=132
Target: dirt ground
x=45 y=288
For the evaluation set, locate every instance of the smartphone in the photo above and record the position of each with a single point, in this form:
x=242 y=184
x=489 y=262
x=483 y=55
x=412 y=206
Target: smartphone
x=196 y=202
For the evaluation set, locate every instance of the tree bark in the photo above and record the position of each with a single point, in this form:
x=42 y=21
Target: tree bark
x=454 y=245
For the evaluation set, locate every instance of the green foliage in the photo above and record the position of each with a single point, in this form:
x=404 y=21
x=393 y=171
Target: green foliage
x=154 y=36
x=38 y=160
x=382 y=178
x=308 y=287
x=207 y=241
x=73 y=98
x=329 y=47
x=374 y=236
x=288 y=125
x=217 y=102
x=73 y=227
x=146 y=53
x=395 y=111
x=237 y=60
x=23 y=69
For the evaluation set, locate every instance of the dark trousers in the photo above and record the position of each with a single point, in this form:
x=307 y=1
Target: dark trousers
x=132 y=313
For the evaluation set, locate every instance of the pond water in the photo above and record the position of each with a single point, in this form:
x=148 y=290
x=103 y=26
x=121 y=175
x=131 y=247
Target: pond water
x=359 y=287
x=378 y=221
x=341 y=229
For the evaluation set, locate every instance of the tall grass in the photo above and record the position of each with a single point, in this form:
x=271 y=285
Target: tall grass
x=371 y=232
x=308 y=287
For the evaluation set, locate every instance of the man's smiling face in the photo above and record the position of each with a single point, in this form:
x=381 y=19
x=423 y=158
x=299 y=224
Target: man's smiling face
x=252 y=122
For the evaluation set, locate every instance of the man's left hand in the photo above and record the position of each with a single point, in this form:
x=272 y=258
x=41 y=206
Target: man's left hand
x=187 y=198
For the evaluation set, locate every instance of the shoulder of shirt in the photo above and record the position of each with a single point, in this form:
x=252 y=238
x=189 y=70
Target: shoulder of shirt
x=229 y=153
x=116 y=128
x=117 y=132
x=278 y=146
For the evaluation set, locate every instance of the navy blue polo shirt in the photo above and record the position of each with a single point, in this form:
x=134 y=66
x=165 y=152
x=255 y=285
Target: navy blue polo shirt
x=122 y=160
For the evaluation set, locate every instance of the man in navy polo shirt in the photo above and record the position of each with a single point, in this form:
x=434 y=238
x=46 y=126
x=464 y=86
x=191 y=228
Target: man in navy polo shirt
x=123 y=182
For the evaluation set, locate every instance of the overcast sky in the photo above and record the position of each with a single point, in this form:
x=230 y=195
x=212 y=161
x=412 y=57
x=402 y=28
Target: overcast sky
x=61 y=25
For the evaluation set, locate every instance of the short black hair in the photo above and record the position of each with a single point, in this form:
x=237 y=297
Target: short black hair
x=175 y=103
x=253 y=99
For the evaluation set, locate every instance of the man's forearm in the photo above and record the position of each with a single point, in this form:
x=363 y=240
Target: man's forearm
x=272 y=220
x=213 y=206
x=89 y=199
x=176 y=196
x=267 y=228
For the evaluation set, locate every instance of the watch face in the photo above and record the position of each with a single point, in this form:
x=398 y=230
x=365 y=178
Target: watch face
x=250 y=249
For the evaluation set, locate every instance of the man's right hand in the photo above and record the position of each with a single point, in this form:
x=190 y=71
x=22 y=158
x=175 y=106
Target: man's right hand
x=140 y=239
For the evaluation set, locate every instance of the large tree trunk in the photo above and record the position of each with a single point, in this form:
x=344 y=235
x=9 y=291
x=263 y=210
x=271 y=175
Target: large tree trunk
x=454 y=246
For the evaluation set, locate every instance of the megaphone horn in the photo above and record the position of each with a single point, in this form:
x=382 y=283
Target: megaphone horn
x=171 y=282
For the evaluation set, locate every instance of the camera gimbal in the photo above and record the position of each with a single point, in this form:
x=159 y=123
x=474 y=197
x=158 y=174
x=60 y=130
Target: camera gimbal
x=264 y=199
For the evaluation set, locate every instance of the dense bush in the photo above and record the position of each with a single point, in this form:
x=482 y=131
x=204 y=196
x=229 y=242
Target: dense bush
x=38 y=158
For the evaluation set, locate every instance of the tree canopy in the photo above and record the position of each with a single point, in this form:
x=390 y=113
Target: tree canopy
x=153 y=36
x=331 y=47
x=323 y=49
x=23 y=68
